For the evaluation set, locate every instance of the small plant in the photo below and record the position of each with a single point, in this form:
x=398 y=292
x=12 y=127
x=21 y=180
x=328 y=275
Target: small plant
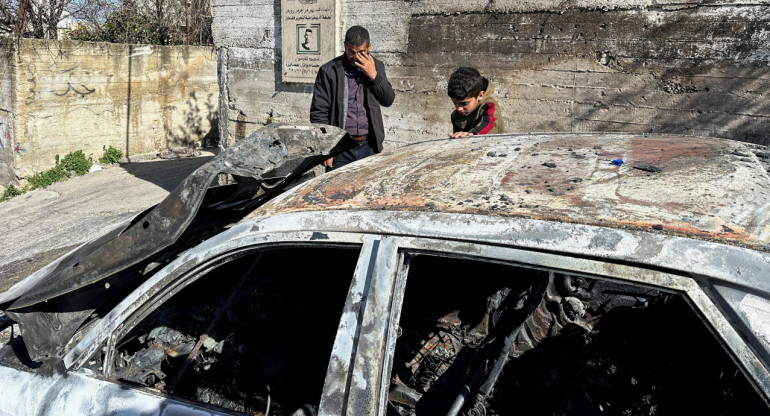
x=11 y=192
x=48 y=177
x=111 y=155
x=77 y=162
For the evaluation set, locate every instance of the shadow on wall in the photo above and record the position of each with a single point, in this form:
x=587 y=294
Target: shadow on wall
x=199 y=114
x=709 y=76
x=692 y=70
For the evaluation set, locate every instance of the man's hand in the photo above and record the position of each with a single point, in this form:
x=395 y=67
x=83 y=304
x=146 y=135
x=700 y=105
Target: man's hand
x=365 y=62
x=459 y=134
x=328 y=162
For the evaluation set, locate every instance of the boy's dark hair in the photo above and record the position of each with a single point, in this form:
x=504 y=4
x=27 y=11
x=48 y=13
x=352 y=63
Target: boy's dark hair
x=357 y=36
x=465 y=82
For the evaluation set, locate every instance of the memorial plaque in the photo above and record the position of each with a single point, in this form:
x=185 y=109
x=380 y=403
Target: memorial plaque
x=310 y=37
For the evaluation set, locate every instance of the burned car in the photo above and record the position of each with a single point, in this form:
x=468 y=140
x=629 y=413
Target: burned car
x=564 y=274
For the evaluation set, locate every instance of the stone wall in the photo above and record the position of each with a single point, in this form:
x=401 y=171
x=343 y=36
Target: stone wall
x=87 y=96
x=695 y=67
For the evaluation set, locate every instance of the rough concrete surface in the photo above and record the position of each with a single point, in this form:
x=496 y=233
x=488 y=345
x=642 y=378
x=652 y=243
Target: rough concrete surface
x=41 y=225
x=7 y=104
x=693 y=67
x=57 y=97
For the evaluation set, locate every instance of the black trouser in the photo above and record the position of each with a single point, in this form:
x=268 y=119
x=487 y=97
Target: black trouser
x=362 y=150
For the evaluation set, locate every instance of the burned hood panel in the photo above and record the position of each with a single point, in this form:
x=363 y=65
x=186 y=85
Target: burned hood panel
x=257 y=156
x=278 y=152
x=696 y=187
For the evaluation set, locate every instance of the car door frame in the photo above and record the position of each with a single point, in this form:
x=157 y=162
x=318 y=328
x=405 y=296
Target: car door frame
x=357 y=378
x=364 y=348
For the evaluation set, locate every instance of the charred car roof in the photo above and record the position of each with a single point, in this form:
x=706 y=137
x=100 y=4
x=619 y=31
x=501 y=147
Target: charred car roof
x=695 y=187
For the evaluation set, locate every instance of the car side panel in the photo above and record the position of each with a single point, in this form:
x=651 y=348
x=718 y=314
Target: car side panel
x=78 y=393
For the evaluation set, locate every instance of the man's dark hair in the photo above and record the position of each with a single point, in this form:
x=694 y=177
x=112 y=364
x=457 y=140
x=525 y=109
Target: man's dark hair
x=357 y=36
x=465 y=82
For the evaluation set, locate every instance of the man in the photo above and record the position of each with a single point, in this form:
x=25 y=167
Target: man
x=348 y=93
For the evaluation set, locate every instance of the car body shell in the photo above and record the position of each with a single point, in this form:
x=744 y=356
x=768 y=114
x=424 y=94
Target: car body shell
x=682 y=214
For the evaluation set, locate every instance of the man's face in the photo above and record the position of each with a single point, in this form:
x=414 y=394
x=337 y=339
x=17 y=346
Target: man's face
x=468 y=104
x=307 y=37
x=354 y=53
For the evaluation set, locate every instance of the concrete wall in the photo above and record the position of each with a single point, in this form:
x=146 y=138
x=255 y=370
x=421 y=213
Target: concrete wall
x=85 y=96
x=7 y=110
x=696 y=67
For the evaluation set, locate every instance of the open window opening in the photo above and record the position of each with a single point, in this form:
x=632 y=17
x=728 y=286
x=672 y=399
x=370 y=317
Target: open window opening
x=480 y=338
x=252 y=335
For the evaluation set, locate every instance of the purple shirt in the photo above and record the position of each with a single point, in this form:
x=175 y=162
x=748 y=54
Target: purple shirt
x=357 y=122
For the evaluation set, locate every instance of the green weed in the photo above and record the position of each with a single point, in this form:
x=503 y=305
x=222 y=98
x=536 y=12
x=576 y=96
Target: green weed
x=111 y=155
x=75 y=162
x=46 y=178
x=12 y=191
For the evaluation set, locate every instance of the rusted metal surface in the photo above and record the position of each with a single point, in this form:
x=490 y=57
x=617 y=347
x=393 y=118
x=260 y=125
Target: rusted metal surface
x=696 y=187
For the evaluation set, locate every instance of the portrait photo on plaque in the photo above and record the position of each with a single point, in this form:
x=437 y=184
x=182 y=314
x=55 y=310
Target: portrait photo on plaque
x=309 y=39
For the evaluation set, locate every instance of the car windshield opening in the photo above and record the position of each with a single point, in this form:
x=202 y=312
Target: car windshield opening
x=252 y=334
x=477 y=337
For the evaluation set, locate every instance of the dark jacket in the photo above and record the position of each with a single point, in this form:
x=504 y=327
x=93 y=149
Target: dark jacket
x=486 y=119
x=329 y=98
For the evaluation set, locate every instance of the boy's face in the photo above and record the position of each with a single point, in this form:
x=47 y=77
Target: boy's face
x=468 y=104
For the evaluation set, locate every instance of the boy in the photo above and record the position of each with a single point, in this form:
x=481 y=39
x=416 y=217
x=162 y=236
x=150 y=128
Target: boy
x=476 y=112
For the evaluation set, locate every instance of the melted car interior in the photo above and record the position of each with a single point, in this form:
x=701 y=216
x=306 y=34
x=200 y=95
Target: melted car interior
x=477 y=337
x=254 y=333
x=474 y=336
